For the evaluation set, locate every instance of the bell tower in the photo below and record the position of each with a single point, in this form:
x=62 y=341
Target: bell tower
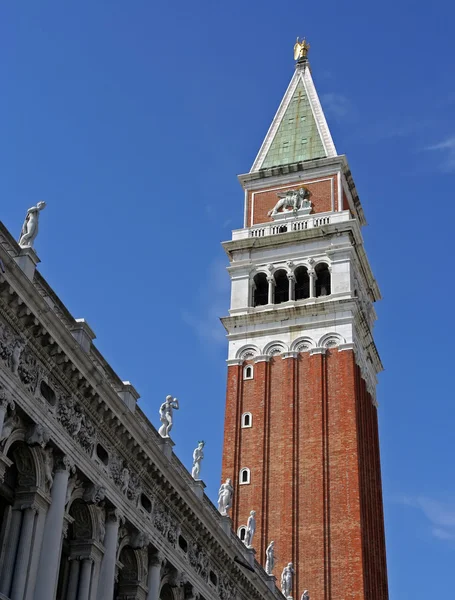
x=301 y=430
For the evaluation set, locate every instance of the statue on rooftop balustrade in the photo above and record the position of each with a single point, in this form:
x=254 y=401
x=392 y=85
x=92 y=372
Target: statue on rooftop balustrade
x=30 y=227
x=225 y=494
x=198 y=455
x=287 y=577
x=250 y=530
x=270 y=558
x=166 y=415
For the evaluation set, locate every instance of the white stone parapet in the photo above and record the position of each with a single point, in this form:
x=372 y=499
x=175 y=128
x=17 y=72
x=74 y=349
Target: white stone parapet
x=289 y=223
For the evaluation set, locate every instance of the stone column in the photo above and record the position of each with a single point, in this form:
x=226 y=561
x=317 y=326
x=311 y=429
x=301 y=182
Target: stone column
x=271 y=282
x=23 y=553
x=312 y=276
x=10 y=555
x=154 y=576
x=53 y=530
x=107 y=571
x=85 y=579
x=5 y=402
x=73 y=579
x=291 y=279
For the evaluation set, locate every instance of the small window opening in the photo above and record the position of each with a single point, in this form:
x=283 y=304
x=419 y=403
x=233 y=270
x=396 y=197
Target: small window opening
x=102 y=454
x=213 y=578
x=248 y=372
x=302 y=283
x=282 y=229
x=261 y=291
x=146 y=503
x=183 y=543
x=244 y=476
x=241 y=533
x=48 y=393
x=281 y=287
x=323 y=287
x=247 y=420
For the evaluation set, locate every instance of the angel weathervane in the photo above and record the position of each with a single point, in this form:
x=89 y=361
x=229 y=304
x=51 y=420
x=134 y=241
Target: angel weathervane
x=301 y=49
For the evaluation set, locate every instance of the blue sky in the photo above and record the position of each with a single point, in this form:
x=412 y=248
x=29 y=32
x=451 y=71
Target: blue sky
x=132 y=120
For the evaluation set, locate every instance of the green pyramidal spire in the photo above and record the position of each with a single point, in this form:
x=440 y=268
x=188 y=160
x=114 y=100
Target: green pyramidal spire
x=297 y=137
x=299 y=131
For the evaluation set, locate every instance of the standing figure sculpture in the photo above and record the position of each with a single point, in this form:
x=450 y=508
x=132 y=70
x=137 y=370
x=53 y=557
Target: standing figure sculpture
x=270 y=558
x=30 y=227
x=166 y=411
x=225 y=494
x=287 y=580
x=305 y=595
x=250 y=530
x=198 y=455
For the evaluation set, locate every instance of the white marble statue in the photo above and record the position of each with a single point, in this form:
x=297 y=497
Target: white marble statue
x=292 y=200
x=305 y=595
x=198 y=455
x=270 y=558
x=30 y=227
x=250 y=529
x=287 y=580
x=166 y=412
x=225 y=494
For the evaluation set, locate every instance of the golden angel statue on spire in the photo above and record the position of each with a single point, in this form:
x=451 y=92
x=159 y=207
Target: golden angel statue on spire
x=301 y=49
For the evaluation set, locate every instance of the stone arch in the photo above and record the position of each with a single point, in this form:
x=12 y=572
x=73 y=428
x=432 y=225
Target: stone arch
x=167 y=591
x=302 y=344
x=247 y=352
x=330 y=340
x=273 y=348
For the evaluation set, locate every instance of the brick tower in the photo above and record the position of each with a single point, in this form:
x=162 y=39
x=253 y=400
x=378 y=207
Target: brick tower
x=301 y=431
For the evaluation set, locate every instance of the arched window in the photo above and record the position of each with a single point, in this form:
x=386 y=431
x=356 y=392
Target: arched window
x=241 y=532
x=247 y=420
x=281 y=286
x=244 y=476
x=302 y=283
x=260 y=290
x=323 y=287
x=248 y=372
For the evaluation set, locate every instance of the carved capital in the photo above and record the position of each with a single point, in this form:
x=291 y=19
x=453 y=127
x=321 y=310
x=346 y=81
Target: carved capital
x=63 y=462
x=115 y=516
x=157 y=559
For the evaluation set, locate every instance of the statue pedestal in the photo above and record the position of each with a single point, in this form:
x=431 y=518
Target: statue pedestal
x=166 y=445
x=289 y=215
x=198 y=487
x=27 y=259
x=5 y=462
x=250 y=555
x=226 y=524
x=271 y=582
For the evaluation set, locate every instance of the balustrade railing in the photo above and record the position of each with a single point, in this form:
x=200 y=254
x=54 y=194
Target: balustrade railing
x=289 y=225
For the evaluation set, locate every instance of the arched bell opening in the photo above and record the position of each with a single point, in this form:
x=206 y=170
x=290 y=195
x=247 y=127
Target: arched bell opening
x=323 y=280
x=302 y=283
x=281 y=286
x=260 y=290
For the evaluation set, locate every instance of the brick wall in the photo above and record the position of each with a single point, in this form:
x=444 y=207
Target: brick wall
x=265 y=200
x=313 y=452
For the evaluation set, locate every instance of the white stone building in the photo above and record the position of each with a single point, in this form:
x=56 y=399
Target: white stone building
x=94 y=504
